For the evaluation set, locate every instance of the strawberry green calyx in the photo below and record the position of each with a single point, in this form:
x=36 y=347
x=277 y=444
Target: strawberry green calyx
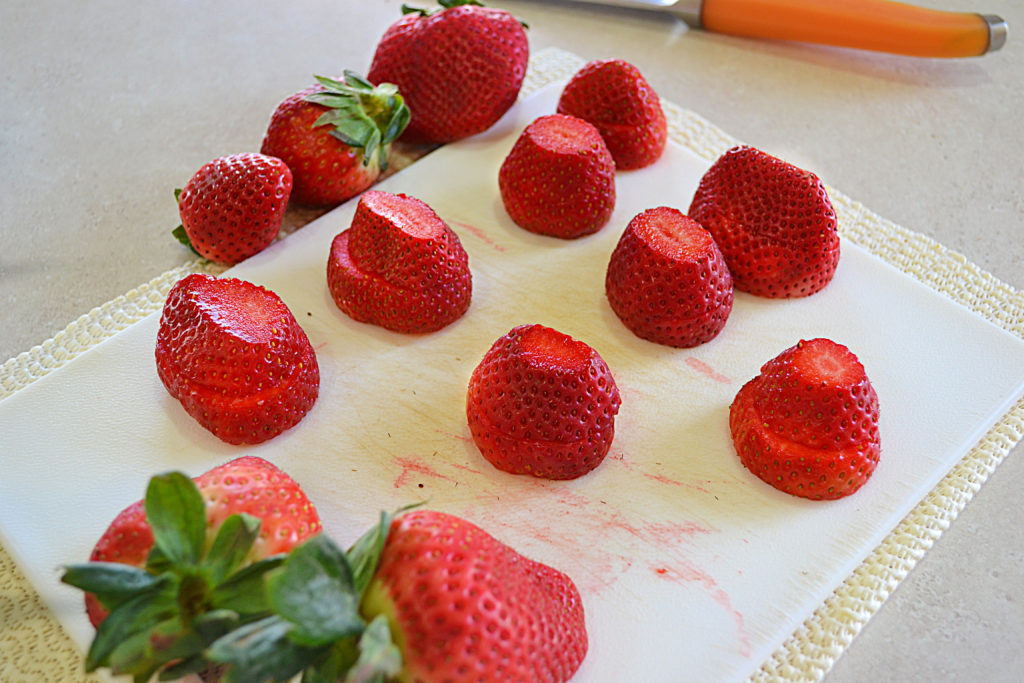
x=190 y=593
x=447 y=4
x=316 y=628
x=362 y=115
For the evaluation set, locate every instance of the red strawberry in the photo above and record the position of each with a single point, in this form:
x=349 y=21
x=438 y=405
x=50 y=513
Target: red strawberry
x=459 y=68
x=559 y=178
x=170 y=562
x=233 y=206
x=426 y=597
x=464 y=606
x=399 y=266
x=614 y=96
x=336 y=137
x=542 y=403
x=773 y=222
x=234 y=356
x=808 y=424
x=667 y=280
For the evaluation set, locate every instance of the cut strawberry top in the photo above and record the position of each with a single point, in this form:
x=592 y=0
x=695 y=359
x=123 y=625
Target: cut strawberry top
x=673 y=234
x=552 y=349
x=822 y=361
x=414 y=218
x=245 y=312
x=562 y=134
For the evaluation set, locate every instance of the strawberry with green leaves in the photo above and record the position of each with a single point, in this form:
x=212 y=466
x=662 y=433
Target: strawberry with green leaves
x=184 y=566
x=233 y=206
x=460 y=68
x=774 y=223
x=424 y=597
x=542 y=403
x=336 y=137
x=559 y=178
x=236 y=359
x=613 y=95
x=399 y=266
x=808 y=423
x=667 y=280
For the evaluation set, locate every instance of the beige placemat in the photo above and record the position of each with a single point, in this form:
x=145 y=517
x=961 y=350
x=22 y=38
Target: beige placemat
x=34 y=647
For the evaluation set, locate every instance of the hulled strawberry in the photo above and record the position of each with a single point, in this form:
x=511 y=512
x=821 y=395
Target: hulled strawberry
x=559 y=178
x=235 y=357
x=399 y=266
x=667 y=280
x=613 y=95
x=233 y=206
x=808 y=423
x=336 y=137
x=426 y=597
x=459 y=68
x=177 y=570
x=542 y=403
x=773 y=222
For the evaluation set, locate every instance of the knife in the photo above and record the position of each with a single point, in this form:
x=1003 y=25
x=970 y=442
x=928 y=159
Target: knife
x=879 y=25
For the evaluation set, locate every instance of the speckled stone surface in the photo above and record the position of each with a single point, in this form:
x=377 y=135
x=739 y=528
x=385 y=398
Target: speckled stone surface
x=106 y=107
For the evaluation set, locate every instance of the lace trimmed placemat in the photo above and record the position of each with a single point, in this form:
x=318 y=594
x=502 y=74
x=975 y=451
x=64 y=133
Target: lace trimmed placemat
x=34 y=647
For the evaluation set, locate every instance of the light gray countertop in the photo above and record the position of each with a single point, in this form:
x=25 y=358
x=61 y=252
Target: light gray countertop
x=107 y=106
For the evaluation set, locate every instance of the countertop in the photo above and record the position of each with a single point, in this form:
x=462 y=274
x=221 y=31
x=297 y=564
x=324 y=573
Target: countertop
x=106 y=107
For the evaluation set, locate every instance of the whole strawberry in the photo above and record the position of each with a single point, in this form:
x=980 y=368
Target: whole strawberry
x=336 y=137
x=773 y=222
x=178 y=569
x=427 y=597
x=808 y=423
x=613 y=95
x=235 y=357
x=667 y=280
x=233 y=206
x=399 y=266
x=559 y=178
x=542 y=403
x=465 y=606
x=459 y=68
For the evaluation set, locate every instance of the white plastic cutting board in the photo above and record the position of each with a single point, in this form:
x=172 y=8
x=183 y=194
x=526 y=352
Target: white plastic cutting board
x=688 y=565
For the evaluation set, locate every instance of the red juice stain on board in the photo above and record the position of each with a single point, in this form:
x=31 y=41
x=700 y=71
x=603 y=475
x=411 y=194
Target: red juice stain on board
x=411 y=466
x=706 y=370
x=479 y=234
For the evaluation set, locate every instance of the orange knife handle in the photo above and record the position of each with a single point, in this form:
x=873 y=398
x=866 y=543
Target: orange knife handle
x=880 y=25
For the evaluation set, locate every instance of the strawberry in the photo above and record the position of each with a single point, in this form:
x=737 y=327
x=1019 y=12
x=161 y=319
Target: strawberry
x=542 y=403
x=235 y=357
x=233 y=206
x=179 y=568
x=808 y=423
x=613 y=95
x=667 y=280
x=559 y=178
x=399 y=266
x=773 y=222
x=336 y=137
x=425 y=597
x=459 y=68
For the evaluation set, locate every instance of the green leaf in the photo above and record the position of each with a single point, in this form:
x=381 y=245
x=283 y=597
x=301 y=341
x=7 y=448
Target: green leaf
x=243 y=592
x=231 y=546
x=379 y=658
x=262 y=651
x=111 y=582
x=364 y=554
x=182 y=236
x=138 y=615
x=314 y=591
x=177 y=514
